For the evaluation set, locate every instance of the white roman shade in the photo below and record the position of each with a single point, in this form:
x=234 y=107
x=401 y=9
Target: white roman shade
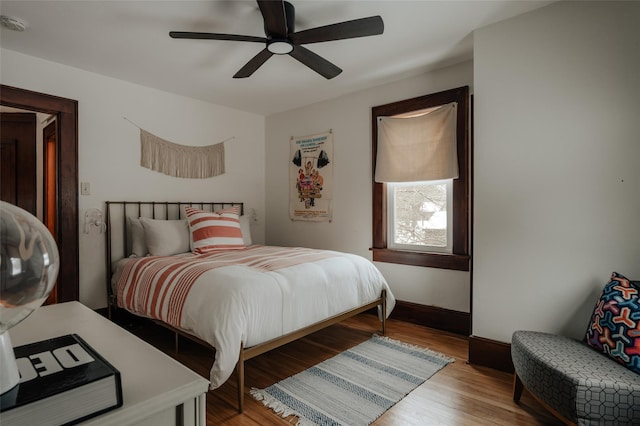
x=418 y=147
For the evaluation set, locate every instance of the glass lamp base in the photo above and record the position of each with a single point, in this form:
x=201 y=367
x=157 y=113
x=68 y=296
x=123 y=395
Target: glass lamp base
x=9 y=376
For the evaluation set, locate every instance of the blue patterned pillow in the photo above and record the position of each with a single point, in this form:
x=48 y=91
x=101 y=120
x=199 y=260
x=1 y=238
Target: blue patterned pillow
x=615 y=324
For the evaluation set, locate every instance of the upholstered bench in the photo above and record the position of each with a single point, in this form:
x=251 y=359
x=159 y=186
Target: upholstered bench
x=591 y=382
x=574 y=381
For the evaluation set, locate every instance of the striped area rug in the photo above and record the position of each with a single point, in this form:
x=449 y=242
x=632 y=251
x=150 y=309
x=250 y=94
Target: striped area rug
x=354 y=387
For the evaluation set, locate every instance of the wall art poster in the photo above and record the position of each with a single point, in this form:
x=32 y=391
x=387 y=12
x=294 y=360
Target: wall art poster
x=311 y=177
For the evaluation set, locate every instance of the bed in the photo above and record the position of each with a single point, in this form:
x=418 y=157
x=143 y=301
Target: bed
x=192 y=267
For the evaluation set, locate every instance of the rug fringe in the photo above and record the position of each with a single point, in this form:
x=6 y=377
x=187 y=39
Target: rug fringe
x=416 y=347
x=279 y=408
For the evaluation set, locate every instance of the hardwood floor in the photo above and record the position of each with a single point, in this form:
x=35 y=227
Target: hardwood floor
x=459 y=394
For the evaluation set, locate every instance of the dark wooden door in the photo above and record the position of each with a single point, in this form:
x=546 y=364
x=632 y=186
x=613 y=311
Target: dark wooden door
x=18 y=160
x=8 y=164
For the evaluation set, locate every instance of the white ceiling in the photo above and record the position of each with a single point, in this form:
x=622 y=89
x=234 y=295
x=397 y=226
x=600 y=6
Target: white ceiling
x=129 y=40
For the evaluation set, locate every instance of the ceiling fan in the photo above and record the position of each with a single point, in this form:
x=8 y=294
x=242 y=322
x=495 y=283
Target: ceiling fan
x=282 y=39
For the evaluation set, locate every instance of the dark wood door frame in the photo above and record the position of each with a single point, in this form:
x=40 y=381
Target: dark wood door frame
x=49 y=175
x=66 y=111
x=50 y=188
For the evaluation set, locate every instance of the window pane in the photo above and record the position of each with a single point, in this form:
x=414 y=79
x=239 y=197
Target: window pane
x=420 y=214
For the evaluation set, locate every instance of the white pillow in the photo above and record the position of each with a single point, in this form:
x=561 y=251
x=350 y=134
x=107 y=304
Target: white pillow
x=245 y=227
x=165 y=237
x=138 y=246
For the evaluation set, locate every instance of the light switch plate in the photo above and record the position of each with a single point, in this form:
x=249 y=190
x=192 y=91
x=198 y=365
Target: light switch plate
x=85 y=188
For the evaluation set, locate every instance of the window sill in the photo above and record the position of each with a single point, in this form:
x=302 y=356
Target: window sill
x=456 y=262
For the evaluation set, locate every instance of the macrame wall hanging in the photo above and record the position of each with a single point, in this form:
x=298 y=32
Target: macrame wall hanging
x=195 y=162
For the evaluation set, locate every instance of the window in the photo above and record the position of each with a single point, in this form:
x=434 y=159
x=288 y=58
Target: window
x=424 y=223
x=420 y=216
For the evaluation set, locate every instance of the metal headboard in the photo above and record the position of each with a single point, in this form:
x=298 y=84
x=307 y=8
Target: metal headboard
x=117 y=235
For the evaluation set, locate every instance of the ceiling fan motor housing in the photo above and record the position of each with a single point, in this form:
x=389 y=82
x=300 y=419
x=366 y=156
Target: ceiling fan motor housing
x=290 y=16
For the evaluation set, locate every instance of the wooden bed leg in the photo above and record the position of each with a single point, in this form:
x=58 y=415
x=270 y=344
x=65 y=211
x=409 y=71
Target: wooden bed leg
x=240 y=374
x=176 y=339
x=384 y=312
x=517 y=387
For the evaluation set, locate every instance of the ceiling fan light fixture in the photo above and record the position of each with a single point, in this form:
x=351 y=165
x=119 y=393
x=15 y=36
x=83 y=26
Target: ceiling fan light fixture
x=280 y=47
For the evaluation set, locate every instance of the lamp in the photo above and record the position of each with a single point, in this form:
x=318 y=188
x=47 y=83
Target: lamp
x=29 y=264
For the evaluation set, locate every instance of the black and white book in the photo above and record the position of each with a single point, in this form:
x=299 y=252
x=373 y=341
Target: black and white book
x=62 y=381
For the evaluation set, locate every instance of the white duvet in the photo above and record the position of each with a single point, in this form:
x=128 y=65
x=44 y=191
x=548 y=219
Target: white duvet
x=247 y=296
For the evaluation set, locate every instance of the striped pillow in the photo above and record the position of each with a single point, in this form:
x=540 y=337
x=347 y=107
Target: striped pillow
x=212 y=231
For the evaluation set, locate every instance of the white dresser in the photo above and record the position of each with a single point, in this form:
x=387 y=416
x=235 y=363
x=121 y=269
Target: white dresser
x=156 y=389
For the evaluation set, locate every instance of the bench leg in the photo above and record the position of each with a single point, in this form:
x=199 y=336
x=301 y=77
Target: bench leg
x=517 y=387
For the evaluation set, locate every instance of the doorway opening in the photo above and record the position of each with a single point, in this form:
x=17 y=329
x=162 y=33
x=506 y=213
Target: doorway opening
x=65 y=197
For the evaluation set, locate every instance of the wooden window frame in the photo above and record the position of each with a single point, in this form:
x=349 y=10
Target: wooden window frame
x=459 y=259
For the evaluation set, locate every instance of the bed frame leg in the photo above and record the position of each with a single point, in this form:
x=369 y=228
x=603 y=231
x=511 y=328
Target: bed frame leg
x=384 y=312
x=240 y=374
x=111 y=304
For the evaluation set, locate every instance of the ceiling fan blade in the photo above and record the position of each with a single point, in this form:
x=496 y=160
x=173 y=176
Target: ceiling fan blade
x=214 y=36
x=363 y=27
x=275 y=20
x=255 y=63
x=315 y=62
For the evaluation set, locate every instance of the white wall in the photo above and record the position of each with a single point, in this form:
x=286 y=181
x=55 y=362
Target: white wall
x=109 y=148
x=557 y=188
x=350 y=230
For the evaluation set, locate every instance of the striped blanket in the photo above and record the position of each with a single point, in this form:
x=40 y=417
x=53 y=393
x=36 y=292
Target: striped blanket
x=158 y=286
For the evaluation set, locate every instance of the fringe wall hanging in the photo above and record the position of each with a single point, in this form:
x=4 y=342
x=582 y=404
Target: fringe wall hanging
x=195 y=162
